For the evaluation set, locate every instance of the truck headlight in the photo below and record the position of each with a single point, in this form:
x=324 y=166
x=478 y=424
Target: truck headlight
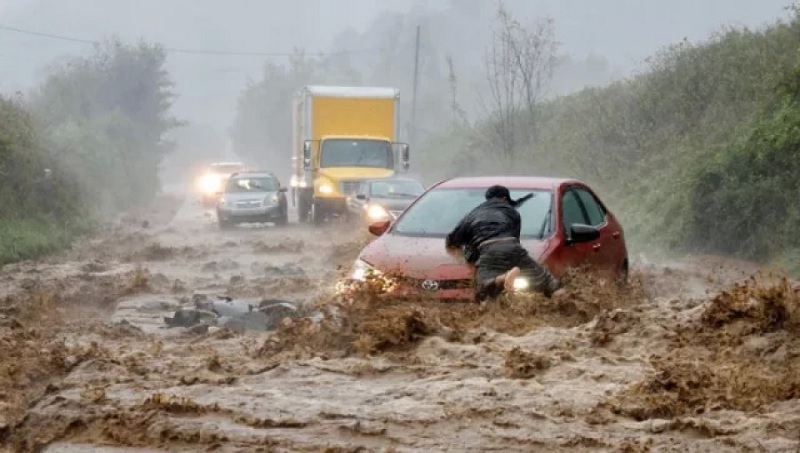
x=521 y=284
x=377 y=212
x=325 y=188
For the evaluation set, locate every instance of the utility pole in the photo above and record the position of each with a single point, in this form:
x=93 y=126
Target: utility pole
x=413 y=131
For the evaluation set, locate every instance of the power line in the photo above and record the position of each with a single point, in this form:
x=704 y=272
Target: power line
x=187 y=51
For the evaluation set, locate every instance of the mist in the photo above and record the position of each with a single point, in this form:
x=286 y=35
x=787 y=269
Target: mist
x=598 y=43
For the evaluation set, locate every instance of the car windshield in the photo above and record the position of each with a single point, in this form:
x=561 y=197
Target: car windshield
x=255 y=184
x=437 y=212
x=356 y=153
x=396 y=189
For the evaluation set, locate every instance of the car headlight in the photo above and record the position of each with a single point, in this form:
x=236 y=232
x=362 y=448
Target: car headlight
x=377 y=212
x=271 y=200
x=360 y=270
x=325 y=188
x=209 y=184
x=521 y=284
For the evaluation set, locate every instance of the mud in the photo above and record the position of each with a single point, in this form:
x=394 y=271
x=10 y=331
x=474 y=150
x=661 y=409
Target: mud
x=693 y=355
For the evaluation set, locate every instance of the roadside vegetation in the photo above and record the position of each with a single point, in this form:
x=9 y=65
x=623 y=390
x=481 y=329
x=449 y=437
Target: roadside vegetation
x=82 y=147
x=698 y=153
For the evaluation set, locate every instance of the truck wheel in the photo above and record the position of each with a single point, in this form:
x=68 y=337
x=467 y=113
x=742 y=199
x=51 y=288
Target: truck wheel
x=303 y=207
x=317 y=215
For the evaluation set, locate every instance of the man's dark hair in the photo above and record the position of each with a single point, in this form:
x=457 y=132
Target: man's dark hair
x=498 y=192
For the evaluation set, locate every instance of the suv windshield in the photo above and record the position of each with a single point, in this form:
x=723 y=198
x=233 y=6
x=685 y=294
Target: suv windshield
x=396 y=189
x=254 y=184
x=438 y=212
x=356 y=153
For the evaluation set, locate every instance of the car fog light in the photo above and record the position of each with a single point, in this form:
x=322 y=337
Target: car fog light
x=521 y=284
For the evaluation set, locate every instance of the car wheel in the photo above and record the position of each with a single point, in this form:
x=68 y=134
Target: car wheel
x=622 y=279
x=283 y=220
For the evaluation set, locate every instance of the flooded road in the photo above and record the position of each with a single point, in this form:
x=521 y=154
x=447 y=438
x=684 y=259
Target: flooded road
x=681 y=361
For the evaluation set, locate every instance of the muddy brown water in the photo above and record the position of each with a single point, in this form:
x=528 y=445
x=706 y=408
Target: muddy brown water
x=683 y=361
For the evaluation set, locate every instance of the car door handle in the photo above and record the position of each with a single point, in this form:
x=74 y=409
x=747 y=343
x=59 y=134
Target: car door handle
x=615 y=235
x=596 y=247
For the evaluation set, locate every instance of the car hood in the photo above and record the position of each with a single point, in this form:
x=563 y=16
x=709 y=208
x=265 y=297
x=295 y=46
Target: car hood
x=247 y=196
x=424 y=257
x=392 y=204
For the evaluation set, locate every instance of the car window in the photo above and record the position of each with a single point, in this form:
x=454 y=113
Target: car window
x=438 y=211
x=396 y=189
x=593 y=209
x=571 y=212
x=257 y=184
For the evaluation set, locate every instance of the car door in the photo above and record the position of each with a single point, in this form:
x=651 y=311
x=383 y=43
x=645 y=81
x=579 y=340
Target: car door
x=607 y=255
x=572 y=212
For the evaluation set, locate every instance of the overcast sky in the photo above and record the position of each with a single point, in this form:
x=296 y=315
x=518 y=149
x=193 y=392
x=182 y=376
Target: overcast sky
x=624 y=32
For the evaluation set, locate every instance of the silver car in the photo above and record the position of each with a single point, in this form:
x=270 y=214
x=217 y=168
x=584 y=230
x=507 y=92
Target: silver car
x=252 y=197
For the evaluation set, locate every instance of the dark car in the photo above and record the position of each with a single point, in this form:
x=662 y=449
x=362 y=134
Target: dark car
x=564 y=225
x=383 y=198
x=252 y=197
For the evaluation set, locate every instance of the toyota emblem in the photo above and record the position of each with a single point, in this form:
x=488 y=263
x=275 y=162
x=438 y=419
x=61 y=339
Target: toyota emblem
x=430 y=285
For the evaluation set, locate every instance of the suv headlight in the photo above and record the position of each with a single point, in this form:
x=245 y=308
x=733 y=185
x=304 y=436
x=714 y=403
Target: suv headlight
x=271 y=200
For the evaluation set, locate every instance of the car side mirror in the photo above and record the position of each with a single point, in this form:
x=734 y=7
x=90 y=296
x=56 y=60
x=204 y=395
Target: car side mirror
x=406 y=157
x=307 y=154
x=378 y=228
x=361 y=197
x=579 y=232
x=283 y=190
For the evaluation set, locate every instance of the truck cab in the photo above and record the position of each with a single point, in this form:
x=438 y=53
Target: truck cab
x=346 y=135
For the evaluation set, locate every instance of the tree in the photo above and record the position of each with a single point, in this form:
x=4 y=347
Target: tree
x=106 y=117
x=519 y=63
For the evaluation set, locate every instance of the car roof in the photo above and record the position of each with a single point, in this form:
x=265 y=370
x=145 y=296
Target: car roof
x=254 y=173
x=512 y=182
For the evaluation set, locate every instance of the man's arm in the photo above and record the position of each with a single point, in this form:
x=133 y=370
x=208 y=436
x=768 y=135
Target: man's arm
x=460 y=234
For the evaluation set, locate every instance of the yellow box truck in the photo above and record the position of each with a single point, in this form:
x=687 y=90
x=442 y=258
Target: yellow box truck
x=341 y=136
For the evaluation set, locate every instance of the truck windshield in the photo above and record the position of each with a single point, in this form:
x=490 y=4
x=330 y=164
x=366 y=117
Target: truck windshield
x=356 y=153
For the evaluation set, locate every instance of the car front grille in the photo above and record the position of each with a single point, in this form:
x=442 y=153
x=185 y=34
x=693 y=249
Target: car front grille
x=436 y=285
x=248 y=204
x=348 y=187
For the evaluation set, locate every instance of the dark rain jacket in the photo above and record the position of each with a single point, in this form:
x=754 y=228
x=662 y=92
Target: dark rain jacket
x=492 y=219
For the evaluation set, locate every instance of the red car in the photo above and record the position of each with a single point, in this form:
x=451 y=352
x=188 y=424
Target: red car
x=564 y=225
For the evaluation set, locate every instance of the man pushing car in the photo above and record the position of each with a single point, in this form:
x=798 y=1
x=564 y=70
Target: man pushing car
x=490 y=238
